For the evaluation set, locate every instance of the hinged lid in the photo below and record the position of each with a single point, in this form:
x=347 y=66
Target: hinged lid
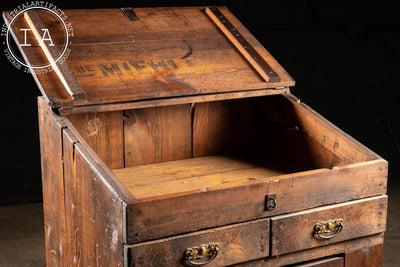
x=124 y=55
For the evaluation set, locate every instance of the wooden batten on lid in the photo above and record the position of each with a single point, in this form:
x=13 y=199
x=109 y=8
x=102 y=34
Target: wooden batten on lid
x=142 y=57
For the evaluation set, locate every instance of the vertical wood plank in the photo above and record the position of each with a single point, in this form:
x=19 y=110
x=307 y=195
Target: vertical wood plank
x=365 y=257
x=95 y=215
x=157 y=134
x=50 y=131
x=222 y=127
x=103 y=131
x=71 y=196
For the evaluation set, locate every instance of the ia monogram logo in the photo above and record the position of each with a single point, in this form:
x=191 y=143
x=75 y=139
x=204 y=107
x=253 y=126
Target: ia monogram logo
x=46 y=37
x=36 y=27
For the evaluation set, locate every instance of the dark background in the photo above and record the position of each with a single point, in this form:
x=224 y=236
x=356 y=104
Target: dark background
x=344 y=56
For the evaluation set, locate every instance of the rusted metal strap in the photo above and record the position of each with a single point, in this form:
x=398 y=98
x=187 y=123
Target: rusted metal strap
x=63 y=70
x=237 y=39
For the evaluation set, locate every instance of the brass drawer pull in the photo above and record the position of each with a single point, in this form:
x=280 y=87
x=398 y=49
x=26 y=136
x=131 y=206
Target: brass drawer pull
x=328 y=227
x=202 y=254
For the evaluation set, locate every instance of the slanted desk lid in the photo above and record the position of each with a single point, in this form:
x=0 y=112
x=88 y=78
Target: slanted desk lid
x=122 y=55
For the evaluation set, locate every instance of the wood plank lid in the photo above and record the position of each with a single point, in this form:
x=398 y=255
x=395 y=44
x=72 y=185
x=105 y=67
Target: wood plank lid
x=141 y=54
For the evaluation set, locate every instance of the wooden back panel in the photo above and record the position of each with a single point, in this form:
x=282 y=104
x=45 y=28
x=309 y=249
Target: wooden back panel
x=275 y=125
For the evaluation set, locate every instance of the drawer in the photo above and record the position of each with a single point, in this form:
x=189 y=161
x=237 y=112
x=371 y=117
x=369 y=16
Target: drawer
x=236 y=243
x=327 y=262
x=326 y=225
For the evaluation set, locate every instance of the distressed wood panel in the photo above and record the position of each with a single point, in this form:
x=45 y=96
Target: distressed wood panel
x=95 y=225
x=157 y=134
x=222 y=127
x=368 y=256
x=294 y=232
x=104 y=133
x=315 y=253
x=288 y=112
x=237 y=243
x=51 y=151
x=148 y=219
x=140 y=60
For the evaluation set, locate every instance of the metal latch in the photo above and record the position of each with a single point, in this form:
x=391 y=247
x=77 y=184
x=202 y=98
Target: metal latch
x=270 y=202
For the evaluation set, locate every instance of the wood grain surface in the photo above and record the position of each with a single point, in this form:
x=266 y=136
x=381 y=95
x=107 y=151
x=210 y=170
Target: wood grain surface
x=103 y=131
x=294 y=232
x=168 y=52
x=222 y=127
x=95 y=215
x=157 y=135
x=318 y=252
x=368 y=256
x=237 y=243
x=51 y=151
x=148 y=219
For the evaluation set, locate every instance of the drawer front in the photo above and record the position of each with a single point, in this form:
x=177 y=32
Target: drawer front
x=326 y=225
x=236 y=243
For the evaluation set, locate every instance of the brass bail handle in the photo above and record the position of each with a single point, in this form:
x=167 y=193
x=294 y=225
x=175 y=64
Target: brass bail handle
x=328 y=229
x=202 y=254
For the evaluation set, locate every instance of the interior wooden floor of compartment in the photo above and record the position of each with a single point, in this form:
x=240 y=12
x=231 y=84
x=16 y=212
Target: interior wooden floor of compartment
x=202 y=173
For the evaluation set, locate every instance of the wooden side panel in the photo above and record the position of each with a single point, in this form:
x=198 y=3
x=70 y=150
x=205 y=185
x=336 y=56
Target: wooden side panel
x=295 y=147
x=368 y=256
x=222 y=127
x=294 y=232
x=328 y=262
x=157 y=134
x=53 y=185
x=149 y=219
x=287 y=112
x=237 y=243
x=95 y=216
x=104 y=133
x=316 y=253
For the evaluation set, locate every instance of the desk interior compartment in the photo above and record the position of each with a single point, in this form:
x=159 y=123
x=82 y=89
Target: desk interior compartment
x=216 y=163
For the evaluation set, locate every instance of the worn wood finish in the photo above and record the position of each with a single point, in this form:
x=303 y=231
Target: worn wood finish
x=181 y=142
x=315 y=253
x=171 y=101
x=199 y=174
x=222 y=127
x=328 y=262
x=157 y=134
x=112 y=181
x=296 y=147
x=258 y=63
x=294 y=232
x=148 y=219
x=288 y=112
x=104 y=133
x=52 y=53
x=368 y=256
x=237 y=243
x=95 y=225
x=143 y=55
x=51 y=151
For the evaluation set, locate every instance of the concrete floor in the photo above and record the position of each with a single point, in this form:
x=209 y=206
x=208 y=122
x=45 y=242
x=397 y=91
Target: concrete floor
x=22 y=234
